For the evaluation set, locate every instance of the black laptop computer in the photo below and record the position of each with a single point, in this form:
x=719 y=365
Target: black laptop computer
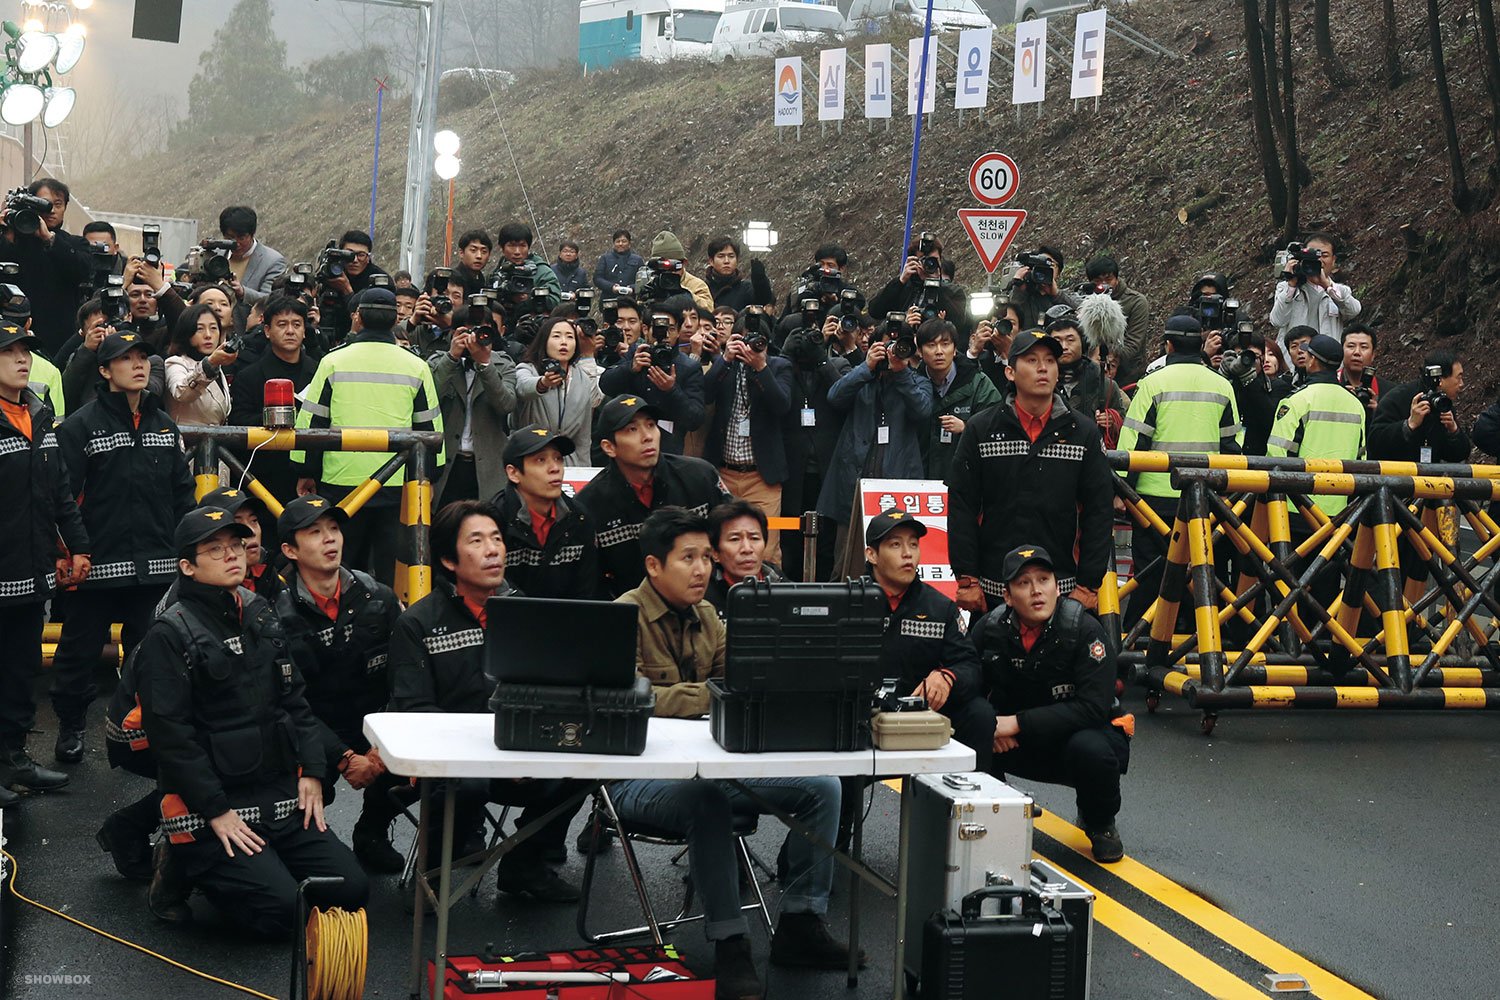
x=567 y=643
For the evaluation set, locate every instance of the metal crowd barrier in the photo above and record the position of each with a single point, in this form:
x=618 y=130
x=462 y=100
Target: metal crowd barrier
x=413 y=578
x=1389 y=638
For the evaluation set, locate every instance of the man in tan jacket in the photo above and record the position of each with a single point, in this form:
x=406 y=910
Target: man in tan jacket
x=680 y=646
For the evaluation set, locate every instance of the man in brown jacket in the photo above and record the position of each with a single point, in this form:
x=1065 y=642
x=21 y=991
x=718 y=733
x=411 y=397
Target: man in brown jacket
x=680 y=646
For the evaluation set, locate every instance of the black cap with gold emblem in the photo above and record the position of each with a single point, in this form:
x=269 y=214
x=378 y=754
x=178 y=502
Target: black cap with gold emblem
x=1020 y=557
x=533 y=438
x=117 y=345
x=202 y=523
x=303 y=512
x=887 y=521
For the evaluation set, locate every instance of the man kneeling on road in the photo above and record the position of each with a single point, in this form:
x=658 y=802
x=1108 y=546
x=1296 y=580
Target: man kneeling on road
x=239 y=758
x=680 y=646
x=1050 y=675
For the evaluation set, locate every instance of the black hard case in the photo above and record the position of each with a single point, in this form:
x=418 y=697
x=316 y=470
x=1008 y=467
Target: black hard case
x=1025 y=956
x=573 y=719
x=759 y=722
x=804 y=636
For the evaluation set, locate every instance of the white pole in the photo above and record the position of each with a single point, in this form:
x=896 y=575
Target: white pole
x=420 y=130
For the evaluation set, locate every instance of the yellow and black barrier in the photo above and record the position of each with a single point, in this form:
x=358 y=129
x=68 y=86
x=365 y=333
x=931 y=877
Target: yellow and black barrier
x=1375 y=607
x=410 y=450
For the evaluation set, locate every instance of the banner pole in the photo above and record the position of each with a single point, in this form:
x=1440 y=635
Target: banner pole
x=375 y=169
x=916 y=142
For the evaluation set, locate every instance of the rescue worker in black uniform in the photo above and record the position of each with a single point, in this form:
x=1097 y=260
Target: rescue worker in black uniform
x=924 y=645
x=1050 y=677
x=127 y=467
x=549 y=540
x=240 y=761
x=36 y=507
x=638 y=480
x=437 y=665
x=738 y=532
x=260 y=577
x=338 y=625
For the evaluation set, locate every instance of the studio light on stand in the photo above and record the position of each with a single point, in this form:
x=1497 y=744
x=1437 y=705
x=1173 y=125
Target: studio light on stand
x=759 y=237
x=446 y=166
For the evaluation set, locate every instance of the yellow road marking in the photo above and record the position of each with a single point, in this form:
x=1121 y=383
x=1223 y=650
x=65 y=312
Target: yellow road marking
x=1233 y=931
x=1206 y=974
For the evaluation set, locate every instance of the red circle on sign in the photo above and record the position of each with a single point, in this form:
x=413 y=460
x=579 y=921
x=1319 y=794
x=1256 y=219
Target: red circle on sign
x=994 y=178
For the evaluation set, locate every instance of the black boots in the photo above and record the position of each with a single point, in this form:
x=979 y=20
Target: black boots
x=735 y=977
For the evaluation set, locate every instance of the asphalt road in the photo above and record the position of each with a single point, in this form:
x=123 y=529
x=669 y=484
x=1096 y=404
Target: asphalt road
x=1352 y=839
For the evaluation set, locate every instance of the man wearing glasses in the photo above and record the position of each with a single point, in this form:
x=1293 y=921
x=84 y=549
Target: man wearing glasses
x=357 y=276
x=253 y=265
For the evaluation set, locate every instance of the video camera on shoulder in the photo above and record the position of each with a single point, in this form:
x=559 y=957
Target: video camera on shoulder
x=1297 y=263
x=1216 y=312
x=663 y=351
x=332 y=260
x=664 y=279
x=209 y=260
x=1041 y=273
x=23 y=212
x=820 y=282
x=1432 y=389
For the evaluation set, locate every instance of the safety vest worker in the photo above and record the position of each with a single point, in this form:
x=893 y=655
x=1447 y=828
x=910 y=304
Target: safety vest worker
x=1184 y=407
x=1323 y=419
x=368 y=381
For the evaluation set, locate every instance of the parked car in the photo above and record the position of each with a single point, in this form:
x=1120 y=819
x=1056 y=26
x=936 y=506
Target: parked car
x=765 y=27
x=652 y=30
x=870 y=16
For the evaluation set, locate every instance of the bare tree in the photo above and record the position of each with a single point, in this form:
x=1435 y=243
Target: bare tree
x=1485 y=14
x=1260 y=102
x=1294 y=167
x=1392 y=45
x=1461 y=193
x=1333 y=68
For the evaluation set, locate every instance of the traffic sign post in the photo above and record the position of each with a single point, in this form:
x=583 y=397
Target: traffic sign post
x=993 y=179
x=991 y=230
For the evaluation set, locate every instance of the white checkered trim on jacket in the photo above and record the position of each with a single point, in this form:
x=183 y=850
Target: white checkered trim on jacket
x=453 y=641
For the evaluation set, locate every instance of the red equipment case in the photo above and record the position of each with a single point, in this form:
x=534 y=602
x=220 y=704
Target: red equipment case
x=640 y=963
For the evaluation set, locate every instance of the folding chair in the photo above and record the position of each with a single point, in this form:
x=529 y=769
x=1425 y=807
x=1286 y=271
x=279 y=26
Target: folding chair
x=405 y=796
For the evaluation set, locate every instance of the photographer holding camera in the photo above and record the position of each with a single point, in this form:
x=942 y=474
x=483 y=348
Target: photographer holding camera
x=557 y=385
x=922 y=285
x=476 y=383
x=254 y=265
x=1357 y=373
x=1415 y=421
x=1256 y=393
x=1306 y=294
x=515 y=239
x=669 y=380
x=1033 y=285
x=96 y=320
x=666 y=248
x=53 y=263
x=887 y=407
x=474 y=250
x=752 y=393
x=1105 y=271
x=197 y=391
x=343 y=271
x=431 y=320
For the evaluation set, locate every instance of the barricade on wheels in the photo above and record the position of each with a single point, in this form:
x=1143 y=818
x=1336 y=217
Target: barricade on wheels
x=1405 y=620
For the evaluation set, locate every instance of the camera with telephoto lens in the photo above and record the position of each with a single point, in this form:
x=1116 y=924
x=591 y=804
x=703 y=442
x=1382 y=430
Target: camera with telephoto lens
x=1239 y=363
x=812 y=313
x=1297 y=263
x=209 y=260
x=478 y=320
x=664 y=279
x=151 y=245
x=928 y=260
x=1432 y=389
x=757 y=329
x=899 y=337
x=663 y=351
x=116 y=304
x=583 y=300
x=821 y=282
x=101 y=264
x=332 y=260
x=1041 y=273
x=23 y=212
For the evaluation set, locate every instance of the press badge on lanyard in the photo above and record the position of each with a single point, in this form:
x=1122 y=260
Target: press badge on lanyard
x=809 y=417
x=882 y=434
x=742 y=427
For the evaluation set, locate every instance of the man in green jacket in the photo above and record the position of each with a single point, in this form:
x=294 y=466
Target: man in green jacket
x=959 y=388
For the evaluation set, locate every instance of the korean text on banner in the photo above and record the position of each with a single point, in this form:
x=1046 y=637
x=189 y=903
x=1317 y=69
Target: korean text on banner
x=576 y=477
x=973 y=88
x=878 y=81
x=1030 y=83
x=1088 y=54
x=914 y=64
x=831 y=66
x=789 y=91
x=927 y=501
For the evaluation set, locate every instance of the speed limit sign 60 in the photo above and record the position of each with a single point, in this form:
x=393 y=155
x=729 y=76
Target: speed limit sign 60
x=993 y=179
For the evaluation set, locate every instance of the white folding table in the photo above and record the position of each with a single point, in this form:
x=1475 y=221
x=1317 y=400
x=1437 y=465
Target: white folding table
x=432 y=746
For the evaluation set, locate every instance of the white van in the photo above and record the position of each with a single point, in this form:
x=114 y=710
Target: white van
x=651 y=30
x=752 y=28
x=870 y=16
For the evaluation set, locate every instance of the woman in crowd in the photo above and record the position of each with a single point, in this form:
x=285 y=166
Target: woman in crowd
x=557 y=385
x=197 y=392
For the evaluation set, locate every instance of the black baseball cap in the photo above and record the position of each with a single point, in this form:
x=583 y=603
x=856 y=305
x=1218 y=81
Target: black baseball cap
x=202 y=523
x=533 y=438
x=304 y=511
x=1031 y=338
x=1185 y=327
x=375 y=296
x=1020 y=557
x=12 y=334
x=117 y=345
x=230 y=499
x=887 y=521
x=1326 y=350
x=619 y=412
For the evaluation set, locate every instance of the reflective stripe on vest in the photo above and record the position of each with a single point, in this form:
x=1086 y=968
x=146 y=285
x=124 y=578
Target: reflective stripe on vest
x=1180 y=408
x=1320 y=420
